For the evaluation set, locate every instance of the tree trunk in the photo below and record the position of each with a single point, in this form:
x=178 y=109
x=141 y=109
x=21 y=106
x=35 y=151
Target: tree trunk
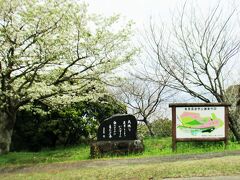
x=148 y=126
x=7 y=121
x=234 y=124
x=232 y=96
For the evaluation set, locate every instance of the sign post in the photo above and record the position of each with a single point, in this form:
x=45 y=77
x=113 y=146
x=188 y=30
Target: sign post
x=199 y=122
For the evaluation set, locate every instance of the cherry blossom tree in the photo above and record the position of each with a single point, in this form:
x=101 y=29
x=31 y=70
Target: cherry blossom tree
x=53 y=50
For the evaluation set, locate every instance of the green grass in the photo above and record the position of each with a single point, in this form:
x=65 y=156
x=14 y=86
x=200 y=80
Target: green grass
x=46 y=156
x=162 y=146
x=229 y=165
x=153 y=147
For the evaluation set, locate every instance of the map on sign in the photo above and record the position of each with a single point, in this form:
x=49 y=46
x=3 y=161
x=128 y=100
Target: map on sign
x=200 y=122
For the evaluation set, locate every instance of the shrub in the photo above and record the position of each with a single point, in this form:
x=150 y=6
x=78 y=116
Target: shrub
x=162 y=127
x=142 y=131
x=39 y=126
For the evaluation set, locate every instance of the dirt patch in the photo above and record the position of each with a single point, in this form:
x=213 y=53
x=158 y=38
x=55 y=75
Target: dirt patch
x=57 y=167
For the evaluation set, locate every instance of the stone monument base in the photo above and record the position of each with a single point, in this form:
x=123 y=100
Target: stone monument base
x=120 y=147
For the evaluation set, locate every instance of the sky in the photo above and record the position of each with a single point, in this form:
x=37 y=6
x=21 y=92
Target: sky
x=140 y=11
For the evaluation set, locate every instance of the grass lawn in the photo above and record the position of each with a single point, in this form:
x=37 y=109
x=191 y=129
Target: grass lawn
x=229 y=165
x=153 y=147
x=75 y=153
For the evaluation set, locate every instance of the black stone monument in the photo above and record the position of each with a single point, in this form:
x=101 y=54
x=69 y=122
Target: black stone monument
x=118 y=127
x=117 y=135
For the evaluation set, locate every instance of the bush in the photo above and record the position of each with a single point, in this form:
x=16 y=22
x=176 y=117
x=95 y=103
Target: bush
x=142 y=131
x=162 y=127
x=39 y=126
